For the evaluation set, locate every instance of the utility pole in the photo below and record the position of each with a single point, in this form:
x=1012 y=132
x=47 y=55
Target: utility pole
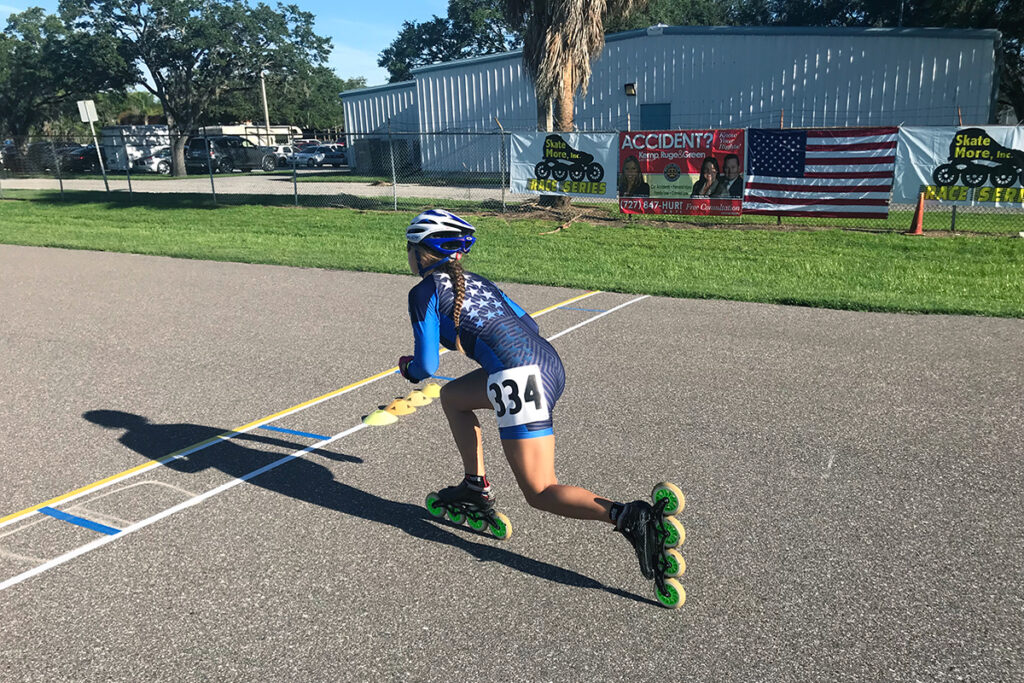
x=266 y=112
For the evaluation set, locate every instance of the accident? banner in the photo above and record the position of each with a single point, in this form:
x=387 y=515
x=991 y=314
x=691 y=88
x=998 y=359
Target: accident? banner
x=688 y=172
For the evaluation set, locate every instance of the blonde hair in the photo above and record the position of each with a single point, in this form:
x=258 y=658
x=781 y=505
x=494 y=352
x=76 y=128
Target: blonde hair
x=452 y=268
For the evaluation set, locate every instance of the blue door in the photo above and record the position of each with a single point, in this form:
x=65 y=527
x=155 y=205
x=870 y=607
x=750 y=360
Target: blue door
x=655 y=116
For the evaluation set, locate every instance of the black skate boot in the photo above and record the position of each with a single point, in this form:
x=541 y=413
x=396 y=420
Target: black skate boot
x=464 y=503
x=654 y=536
x=467 y=496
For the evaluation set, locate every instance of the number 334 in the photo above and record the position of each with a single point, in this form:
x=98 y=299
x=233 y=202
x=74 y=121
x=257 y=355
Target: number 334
x=511 y=395
x=517 y=395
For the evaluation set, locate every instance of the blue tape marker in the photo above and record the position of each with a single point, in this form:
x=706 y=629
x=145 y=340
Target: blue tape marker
x=587 y=310
x=71 y=519
x=318 y=437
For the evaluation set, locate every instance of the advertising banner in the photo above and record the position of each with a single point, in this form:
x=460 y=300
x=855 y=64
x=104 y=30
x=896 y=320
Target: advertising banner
x=572 y=164
x=981 y=165
x=685 y=172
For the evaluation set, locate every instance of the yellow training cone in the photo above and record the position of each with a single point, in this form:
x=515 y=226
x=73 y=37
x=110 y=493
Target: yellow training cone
x=379 y=418
x=432 y=390
x=400 y=407
x=417 y=398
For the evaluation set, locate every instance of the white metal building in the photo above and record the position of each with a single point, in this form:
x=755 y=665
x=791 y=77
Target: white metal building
x=696 y=77
x=124 y=144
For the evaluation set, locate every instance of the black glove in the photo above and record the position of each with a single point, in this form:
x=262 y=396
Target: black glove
x=403 y=367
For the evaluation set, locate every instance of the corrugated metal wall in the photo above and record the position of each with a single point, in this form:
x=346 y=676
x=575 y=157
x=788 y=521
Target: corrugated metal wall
x=468 y=96
x=368 y=114
x=736 y=78
x=710 y=78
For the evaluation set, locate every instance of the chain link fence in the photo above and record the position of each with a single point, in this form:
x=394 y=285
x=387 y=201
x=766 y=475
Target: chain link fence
x=393 y=171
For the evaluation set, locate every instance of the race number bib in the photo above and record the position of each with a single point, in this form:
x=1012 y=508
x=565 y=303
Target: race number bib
x=517 y=395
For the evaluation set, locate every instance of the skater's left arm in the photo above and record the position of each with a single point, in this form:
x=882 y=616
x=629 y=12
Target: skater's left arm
x=426 y=331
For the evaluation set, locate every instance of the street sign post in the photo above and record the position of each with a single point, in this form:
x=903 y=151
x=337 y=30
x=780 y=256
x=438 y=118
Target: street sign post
x=87 y=112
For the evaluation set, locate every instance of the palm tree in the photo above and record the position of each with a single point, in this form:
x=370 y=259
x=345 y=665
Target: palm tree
x=561 y=39
x=140 y=105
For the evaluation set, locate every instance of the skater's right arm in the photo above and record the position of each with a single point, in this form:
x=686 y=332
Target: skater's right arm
x=426 y=330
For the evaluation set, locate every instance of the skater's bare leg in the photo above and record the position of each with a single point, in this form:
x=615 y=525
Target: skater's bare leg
x=459 y=398
x=533 y=463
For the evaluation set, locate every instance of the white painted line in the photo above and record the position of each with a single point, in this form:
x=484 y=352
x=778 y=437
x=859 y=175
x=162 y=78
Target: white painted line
x=235 y=432
x=100 y=542
x=599 y=315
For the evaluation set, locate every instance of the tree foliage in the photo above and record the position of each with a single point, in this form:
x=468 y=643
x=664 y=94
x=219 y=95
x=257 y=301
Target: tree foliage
x=45 y=66
x=471 y=28
x=309 y=101
x=560 y=41
x=189 y=54
x=672 y=13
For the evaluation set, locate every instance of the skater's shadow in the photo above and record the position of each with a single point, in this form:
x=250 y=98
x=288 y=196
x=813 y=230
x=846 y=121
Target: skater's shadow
x=311 y=482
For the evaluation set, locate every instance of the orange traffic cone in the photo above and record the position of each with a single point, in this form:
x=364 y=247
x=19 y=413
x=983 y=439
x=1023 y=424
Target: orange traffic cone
x=917 y=227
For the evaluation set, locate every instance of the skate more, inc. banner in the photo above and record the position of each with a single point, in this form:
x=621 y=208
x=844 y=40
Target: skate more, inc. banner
x=685 y=172
x=977 y=165
x=569 y=164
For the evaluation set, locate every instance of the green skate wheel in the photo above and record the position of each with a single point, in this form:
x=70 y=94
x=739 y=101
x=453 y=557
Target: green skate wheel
x=675 y=565
x=456 y=516
x=434 y=506
x=676 y=499
x=675 y=534
x=475 y=522
x=673 y=596
x=501 y=527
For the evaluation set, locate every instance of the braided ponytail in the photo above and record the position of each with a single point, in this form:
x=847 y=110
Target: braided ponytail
x=454 y=270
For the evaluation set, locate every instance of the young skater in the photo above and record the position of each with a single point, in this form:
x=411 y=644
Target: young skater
x=520 y=379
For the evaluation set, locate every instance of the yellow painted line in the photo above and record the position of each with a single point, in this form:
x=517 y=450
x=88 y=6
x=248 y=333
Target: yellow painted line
x=196 y=446
x=234 y=432
x=566 y=302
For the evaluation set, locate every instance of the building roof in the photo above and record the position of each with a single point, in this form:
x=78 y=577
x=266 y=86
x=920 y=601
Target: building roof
x=954 y=33
x=985 y=33
x=378 y=88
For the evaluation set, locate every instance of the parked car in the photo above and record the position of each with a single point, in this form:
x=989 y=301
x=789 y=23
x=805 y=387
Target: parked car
x=334 y=155
x=36 y=157
x=79 y=159
x=305 y=142
x=8 y=153
x=284 y=154
x=41 y=156
x=309 y=156
x=157 y=162
x=226 y=153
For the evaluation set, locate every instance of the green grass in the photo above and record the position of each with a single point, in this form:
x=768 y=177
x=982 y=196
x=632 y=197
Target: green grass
x=826 y=268
x=994 y=222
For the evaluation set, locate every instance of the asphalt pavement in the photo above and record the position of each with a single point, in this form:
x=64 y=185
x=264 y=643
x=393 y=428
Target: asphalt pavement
x=852 y=479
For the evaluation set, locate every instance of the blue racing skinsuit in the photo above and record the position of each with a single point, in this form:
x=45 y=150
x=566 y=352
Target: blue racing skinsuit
x=500 y=336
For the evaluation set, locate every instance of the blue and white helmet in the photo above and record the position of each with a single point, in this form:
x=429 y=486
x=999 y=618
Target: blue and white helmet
x=442 y=232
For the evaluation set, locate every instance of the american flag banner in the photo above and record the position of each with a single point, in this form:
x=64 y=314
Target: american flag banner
x=835 y=173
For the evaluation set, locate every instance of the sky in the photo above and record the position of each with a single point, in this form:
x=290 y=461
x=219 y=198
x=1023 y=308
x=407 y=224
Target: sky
x=359 y=30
